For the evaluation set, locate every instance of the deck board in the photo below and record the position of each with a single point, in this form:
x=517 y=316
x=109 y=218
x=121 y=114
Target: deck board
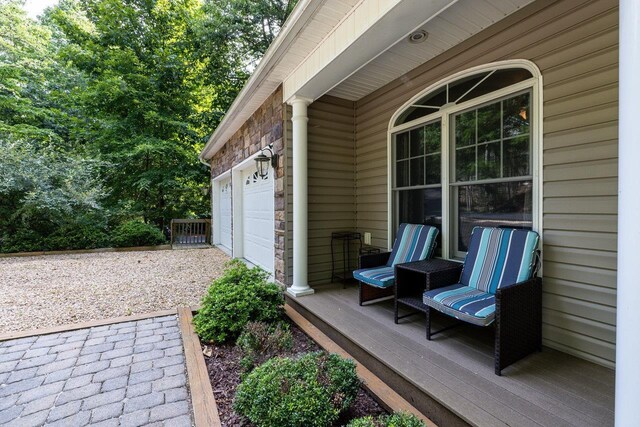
x=456 y=368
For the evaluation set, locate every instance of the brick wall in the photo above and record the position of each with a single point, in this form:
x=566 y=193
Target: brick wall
x=264 y=127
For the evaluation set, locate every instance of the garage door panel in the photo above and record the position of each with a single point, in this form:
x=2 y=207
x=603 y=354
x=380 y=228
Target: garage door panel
x=225 y=213
x=258 y=219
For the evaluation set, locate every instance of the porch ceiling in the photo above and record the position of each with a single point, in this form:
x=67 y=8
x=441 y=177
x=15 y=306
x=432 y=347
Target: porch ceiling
x=451 y=26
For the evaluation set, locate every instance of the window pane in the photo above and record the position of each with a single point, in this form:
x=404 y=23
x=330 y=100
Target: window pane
x=402 y=146
x=505 y=204
x=417 y=171
x=422 y=206
x=498 y=80
x=489 y=160
x=433 y=137
x=516 y=115
x=466 y=164
x=432 y=169
x=516 y=156
x=416 y=142
x=489 y=123
x=465 y=128
x=459 y=87
x=402 y=173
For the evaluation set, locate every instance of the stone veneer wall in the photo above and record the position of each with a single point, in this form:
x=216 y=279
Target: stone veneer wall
x=264 y=127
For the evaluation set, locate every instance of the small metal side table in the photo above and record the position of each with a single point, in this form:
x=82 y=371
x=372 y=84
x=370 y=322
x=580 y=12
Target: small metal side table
x=414 y=278
x=346 y=238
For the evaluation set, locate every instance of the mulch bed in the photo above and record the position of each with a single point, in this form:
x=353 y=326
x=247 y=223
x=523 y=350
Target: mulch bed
x=224 y=374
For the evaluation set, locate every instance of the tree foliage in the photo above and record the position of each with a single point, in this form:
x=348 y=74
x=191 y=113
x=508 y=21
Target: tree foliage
x=106 y=104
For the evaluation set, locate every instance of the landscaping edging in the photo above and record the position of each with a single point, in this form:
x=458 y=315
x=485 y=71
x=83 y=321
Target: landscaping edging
x=87 y=251
x=205 y=410
x=83 y=325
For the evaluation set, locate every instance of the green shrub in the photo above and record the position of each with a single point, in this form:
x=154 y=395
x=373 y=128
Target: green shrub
x=310 y=391
x=136 y=233
x=260 y=342
x=76 y=236
x=22 y=240
x=399 y=419
x=239 y=296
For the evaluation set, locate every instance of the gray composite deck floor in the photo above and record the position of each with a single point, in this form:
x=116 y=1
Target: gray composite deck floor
x=456 y=368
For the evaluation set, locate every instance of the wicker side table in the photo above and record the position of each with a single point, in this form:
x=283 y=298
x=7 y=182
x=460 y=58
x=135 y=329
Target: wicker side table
x=414 y=278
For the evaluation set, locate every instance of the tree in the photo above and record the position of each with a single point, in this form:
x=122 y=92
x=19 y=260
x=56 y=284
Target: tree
x=106 y=104
x=143 y=95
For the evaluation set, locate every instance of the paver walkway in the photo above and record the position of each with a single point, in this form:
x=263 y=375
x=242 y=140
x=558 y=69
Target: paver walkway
x=125 y=374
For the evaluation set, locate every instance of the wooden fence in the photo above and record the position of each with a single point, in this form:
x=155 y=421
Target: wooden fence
x=191 y=232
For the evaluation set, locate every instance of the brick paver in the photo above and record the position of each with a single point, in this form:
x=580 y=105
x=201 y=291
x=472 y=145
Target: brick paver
x=130 y=373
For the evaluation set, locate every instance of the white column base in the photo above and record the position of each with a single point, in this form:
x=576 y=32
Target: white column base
x=299 y=292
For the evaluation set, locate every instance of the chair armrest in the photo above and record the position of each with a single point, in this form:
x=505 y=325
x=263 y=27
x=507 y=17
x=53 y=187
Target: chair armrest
x=518 y=321
x=441 y=278
x=374 y=260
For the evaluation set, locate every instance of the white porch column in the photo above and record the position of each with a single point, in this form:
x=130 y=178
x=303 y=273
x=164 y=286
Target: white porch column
x=628 y=292
x=300 y=204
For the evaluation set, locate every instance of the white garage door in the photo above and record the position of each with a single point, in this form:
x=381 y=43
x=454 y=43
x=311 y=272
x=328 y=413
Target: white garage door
x=258 y=219
x=225 y=213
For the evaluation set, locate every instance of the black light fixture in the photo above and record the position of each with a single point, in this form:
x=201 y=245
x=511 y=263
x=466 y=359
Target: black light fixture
x=262 y=161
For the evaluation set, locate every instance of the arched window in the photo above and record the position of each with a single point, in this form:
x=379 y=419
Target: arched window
x=464 y=153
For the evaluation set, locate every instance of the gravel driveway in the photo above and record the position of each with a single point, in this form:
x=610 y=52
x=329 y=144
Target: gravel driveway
x=42 y=291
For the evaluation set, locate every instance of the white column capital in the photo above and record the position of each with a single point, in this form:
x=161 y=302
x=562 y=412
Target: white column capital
x=299 y=100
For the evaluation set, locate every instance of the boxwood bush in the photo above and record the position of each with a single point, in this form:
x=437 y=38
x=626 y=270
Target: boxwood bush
x=399 y=419
x=240 y=295
x=261 y=341
x=136 y=233
x=310 y=391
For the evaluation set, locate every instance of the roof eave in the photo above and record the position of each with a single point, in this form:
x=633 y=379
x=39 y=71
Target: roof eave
x=303 y=11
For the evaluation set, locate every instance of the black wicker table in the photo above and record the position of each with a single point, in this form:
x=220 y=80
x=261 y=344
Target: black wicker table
x=414 y=278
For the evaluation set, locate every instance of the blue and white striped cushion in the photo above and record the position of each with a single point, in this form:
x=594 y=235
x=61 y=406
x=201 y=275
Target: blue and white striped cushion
x=414 y=242
x=463 y=302
x=381 y=277
x=499 y=257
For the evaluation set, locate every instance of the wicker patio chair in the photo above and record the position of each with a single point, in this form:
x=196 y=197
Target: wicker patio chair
x=376 y=277
x=498 y=285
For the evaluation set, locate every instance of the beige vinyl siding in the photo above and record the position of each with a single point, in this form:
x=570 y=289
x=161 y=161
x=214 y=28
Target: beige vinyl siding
x=331 y=175
x=574 y=43
x=331 y=180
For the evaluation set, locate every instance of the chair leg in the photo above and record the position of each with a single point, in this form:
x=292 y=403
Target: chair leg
x=428 y=322
x=360 y=293
x=395 y=310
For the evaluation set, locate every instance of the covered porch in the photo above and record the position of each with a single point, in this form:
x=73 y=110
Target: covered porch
x=451 y=378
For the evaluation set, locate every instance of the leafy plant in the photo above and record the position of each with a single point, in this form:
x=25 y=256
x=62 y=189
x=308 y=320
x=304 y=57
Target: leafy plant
x=136 y=233
x=260 y=342
x=398 y=419
x=240 y=295
x=77 y=236
x=310 y=391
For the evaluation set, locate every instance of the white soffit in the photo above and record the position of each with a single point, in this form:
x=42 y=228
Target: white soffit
x=453 y=25
x=308 y=25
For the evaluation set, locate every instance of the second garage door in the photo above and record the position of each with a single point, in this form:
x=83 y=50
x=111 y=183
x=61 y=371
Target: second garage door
x=258 y=218
x=225 y=213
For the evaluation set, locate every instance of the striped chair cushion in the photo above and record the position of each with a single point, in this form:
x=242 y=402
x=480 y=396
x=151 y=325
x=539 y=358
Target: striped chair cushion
x=414 y=242
x=464 y=303
x=381 y=277
x=499 y=257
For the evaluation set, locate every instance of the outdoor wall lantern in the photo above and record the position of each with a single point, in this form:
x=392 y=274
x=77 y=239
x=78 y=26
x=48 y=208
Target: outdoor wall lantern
x=263 y=162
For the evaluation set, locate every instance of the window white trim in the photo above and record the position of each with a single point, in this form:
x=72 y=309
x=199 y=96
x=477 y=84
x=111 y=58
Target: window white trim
x=536 y=86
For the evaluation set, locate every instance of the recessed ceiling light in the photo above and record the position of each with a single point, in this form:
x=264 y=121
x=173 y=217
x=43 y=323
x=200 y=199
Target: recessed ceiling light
x=418 y=36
